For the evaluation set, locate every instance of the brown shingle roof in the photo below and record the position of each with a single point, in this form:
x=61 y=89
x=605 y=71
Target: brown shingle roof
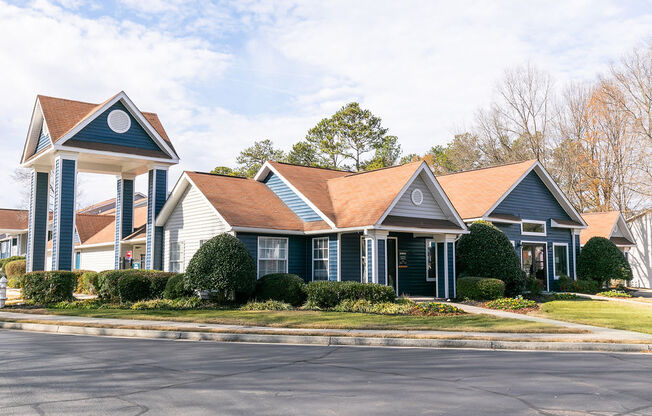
x=599 y=224
x=13 y=219
x=101 y=228
x=249 y=203
x=474 y=192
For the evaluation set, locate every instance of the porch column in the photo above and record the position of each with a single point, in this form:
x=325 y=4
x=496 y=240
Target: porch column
x=376 y=256
x=576 y=250
x=449 y=266
x=157 y=193
x=124 y=213
x=63 y=223
x=37 y=231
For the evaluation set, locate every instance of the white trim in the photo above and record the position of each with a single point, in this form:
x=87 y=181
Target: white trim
x=446 y=269
x=498 y=220
x=575 y=247
x=312 y=256
x=532 y=233
x=268 y=166
x=395 y=261
x=287 y=252
x=554 y=272
x=430 y=279
x=339 y=260
x=547 y=265
x=555 y=224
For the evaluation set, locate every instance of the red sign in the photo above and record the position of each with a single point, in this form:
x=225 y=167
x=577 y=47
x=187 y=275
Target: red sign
x=128 y=255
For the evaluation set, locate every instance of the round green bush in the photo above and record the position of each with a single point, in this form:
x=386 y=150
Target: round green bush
x=222 y=266
x=15 y=271
x=600 y=261
x=480 y=288
x=487 y=252
x=134 y=287
x=175 y=288
x=284 y=287
x=46 y=288
x=4 y=262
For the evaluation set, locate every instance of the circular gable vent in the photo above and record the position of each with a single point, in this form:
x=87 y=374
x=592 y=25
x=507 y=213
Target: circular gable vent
x=417 y=197
x=119 y=121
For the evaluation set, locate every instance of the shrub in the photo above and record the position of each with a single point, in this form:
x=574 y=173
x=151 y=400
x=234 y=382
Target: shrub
x=49 y=287
x=158 y=282
x=534 y=286
x=487 y=252
x=580 y=286
x=614 y=294
x=79 y=304
x=511 y=303
x=134 y=287
x=566 y=296
x=381 y=308
x=175 y=288
x=434 y=309
x=15 y=271
x=4 y=262
x=223 y=265
x=283 y=287
x=108 y=280
x=328 y=294
x=480 y=288
x=168 y=304
x=268 y=305
x=87 y=282
x=601 y=261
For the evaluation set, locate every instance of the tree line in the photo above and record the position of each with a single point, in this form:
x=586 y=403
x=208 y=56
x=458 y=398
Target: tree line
x=595 y=137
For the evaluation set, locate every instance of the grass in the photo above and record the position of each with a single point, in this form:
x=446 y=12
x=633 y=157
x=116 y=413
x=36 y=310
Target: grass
x=318 y=319
x=609 y=314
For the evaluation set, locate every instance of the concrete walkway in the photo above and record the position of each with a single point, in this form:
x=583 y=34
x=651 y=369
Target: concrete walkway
x=644 y=301
x=643 y=293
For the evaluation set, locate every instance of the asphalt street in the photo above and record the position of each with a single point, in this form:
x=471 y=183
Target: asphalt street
x=84 y=375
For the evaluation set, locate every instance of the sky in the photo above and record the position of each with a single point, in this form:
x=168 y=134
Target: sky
x=223 y=74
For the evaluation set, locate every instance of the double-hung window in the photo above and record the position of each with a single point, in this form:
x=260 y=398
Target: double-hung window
x=320 y=258
x=272 y=255
x=176 y=257
x=561 y=259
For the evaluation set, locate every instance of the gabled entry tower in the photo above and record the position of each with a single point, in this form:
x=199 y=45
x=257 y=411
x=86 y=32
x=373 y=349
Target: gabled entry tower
x=114 y=137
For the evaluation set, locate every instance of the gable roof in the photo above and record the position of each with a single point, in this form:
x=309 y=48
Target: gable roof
x=13 y=219
x=100 y=229
x=603 y=224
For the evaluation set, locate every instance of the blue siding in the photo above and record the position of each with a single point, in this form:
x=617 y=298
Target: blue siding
x=532 y=200
x=451 y=270
x=44 y=141
x=37 y=237
x=332 y=257
x=370 y=261
x=127 y=207
x=117 y=235
x=382 y=278
x=64 y=215
x=441 y=281
x=149 y=238
x=98 y=131
x=291 y=199
x=157 y=194
x=350 y=257
x=299 y=254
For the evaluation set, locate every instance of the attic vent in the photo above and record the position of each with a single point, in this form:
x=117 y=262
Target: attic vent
x=417 y=197
x=119 y=121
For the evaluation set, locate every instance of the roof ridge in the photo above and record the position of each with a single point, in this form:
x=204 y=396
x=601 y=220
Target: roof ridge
x=216 y=174
x=379 y=169
x=488 y=167
x=310 y=167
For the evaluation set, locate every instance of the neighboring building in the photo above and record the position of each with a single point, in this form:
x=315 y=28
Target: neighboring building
x=523 y=201
x=610 y=225
x=13 y=232
x=392 y=226
x=640 y=256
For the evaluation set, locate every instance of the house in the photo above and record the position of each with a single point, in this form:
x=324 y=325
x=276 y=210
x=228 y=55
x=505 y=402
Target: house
x=640 y=255
x=392 y=226
x=523 y=201
x=610 y=225
x=13 y=232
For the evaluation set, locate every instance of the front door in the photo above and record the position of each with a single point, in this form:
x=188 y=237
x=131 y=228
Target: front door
x=534 y=262
x=392 y=277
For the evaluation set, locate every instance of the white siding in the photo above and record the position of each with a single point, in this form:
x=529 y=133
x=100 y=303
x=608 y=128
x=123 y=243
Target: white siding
x=96 y=258
x=428 y=209
x=192 y=220
x=640 y=256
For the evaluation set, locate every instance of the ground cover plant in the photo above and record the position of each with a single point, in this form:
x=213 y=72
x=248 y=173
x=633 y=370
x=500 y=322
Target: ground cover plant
x=614 y=294
x=517 y=303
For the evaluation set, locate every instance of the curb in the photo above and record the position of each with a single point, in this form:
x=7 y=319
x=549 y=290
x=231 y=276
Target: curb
x=328 y=340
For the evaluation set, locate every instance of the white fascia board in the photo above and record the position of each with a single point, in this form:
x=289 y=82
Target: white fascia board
x=134 y=241
x=624 y=229
x=555 y=224
x=166 y=162
x=135 y=112
x=267 y=167
x=111 y=243
x=267 y=231
x=422 y=230
x=499 y=220
x=37 y=113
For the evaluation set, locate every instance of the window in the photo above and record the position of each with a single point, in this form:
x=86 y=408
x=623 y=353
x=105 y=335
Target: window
x=272 y=255
x=533 y=227
x=431 y=261
x=320 y=258
x=561 y=260
x=176 y=257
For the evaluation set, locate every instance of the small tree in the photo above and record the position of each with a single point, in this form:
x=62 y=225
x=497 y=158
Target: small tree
x=600 y=260
x=487 y=252
x=224 y=266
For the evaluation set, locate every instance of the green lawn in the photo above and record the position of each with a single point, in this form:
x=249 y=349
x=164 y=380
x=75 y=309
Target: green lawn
x=610 y=314
x=318 y=319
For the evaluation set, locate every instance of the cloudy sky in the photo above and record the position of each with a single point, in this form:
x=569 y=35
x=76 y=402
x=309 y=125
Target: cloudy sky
x=223 y=74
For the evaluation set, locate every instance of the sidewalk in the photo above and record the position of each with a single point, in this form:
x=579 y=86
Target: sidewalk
x=595 y=339
x=645 y=301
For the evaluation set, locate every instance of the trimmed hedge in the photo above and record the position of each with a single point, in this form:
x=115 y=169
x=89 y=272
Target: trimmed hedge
x=480 y=288
x=566 y=284
x=158 y=282
x=134 y=287
x=283 y=287
x=487 y=252
x=4 y=262
x=49 y=287
x=108 y=282
x=87 y=282
x=175 y=288
x=222 y=266
x=601 y=261
x=15 y=271
x=329 y=294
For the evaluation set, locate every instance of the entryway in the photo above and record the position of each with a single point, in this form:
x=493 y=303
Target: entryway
x=533 y=262
x=392 y=263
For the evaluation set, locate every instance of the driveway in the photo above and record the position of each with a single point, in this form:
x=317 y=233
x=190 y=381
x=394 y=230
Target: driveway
x=78 y=375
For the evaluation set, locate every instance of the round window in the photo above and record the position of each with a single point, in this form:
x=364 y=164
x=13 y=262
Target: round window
x=417 y=197
x=119 y=121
